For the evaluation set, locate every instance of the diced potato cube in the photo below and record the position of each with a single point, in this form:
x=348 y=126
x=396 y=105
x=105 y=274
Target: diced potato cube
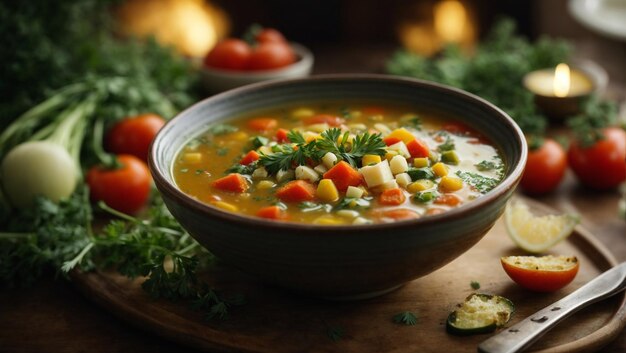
x=403 y=179
x=329 y=220
x=284 y=175
x=384 y=129
x=420 y=185
x=320 y=169
x=391 y=184
x=306 y=173
x=239 y=136
x=192 y=157
x=377 y=174
x=420 y=162
x=402 y=134
x=302 y=113
x=398 y=165
x=265 y=150
x=327 y=191
x=318 y=127
x=259 y=173
x=400 y=147
x=354 y=192
x=225 y=206
x=348 y=213
x=370 y=159
x=440 y=169
x=265 y=184
x=450 y=184
x=329 y=160
x=361 y=220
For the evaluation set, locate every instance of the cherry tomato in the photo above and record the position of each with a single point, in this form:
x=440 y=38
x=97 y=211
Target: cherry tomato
x=272 y=55
x=133 y=135
x=603 y=165
x=125 y=189
x=541 y=274
x=545 y=168
x=231 y=54
x=270 y=35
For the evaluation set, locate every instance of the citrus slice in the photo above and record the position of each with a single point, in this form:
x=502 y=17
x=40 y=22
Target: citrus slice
x=536 y=234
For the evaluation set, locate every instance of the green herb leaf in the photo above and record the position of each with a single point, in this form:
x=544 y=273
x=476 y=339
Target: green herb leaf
x=482 y=183
x=475 y=285
x=405 y=318
x=222 y=129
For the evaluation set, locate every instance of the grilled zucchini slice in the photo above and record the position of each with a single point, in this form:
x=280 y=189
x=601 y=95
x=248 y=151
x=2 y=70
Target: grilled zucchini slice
x=480 y=313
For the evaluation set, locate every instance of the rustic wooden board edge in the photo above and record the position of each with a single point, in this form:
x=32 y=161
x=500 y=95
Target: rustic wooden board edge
x=90 y=284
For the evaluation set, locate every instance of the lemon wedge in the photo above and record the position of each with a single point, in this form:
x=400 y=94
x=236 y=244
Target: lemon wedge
x=536 y=234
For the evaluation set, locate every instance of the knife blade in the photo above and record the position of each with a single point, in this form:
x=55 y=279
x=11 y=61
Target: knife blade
x=526 y=332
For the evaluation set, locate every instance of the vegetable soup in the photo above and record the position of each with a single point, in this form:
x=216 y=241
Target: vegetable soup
x=336 y=164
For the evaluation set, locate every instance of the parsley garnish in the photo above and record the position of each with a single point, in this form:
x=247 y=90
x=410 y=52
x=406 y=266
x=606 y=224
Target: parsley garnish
x=448 y=145
x=414 y=122
x=475 y=285
x=406 y=318
x=482 y=183
x=351 y=203
x=222 y=129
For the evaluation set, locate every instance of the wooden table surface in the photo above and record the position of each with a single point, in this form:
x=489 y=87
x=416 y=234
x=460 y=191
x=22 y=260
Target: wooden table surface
x=54 y=317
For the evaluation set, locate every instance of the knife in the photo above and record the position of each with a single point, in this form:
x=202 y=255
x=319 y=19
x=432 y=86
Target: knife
x=521 y=335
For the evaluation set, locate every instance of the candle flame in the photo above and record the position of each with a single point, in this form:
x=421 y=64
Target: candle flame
x=561 y=80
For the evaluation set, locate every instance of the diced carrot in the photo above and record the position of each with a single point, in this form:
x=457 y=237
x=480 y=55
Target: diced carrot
x=234 y=182
x=417 y=149
x=397 y=214
x=249 y=158
x=343 y=175
x=296 y=191
x=448 y=199
x=262 y=124
x=392 y=197
x=391 y=140
x=281 y=136
x=323 y=118
x=271 y=212
x=434 y=211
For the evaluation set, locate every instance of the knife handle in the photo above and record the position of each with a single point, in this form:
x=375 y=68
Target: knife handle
x=527 y=331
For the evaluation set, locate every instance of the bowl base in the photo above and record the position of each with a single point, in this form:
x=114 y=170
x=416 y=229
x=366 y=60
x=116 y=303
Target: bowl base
x=362 y=296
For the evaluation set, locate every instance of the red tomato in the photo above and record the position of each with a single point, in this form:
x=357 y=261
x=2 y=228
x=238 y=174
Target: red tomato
x=270 y=35
x=603 y=165
x=133 y=135
x=545 y=168
x=231 y=54
x=125 y=189
x=272 y=55
x=541 y=274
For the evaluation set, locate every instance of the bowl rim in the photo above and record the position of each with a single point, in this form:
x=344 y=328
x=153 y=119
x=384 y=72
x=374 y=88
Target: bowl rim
x=305 y=60
x=170 y=189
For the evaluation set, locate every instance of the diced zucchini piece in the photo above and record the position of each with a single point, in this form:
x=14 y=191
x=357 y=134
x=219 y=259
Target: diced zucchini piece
x=420 y=185
x=398 y=165
x=425 y=196
x=450 y=157
x=354 y=192
x=306 y=173
x=378 y=174
x=421 y=173
x=329 y=160
x=480 y=313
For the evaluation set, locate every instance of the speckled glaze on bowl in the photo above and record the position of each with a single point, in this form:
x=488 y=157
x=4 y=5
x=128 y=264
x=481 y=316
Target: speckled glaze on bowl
x=345 y=262
x=219 y=80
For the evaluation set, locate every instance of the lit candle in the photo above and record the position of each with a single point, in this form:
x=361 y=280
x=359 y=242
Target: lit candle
x=558 y=91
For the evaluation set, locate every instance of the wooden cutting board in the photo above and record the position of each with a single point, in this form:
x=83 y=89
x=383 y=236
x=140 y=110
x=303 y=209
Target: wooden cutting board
x=275 y=320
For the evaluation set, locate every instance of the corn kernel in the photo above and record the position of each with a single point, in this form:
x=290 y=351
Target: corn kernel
x=239 y=136
x=354 y=192
x=264 y=184
x=302 y=113
x=327 y=191
x=225 y=206
x=402 y=134
x=192 y=157
x=440 y=169
x=390 y=154
x=329 y=220
x=420 y=162
x=370 y=159
x=450 y=184
x=420 y=185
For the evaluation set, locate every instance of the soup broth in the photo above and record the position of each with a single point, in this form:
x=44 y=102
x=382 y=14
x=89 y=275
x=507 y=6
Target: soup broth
x=338 y=164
